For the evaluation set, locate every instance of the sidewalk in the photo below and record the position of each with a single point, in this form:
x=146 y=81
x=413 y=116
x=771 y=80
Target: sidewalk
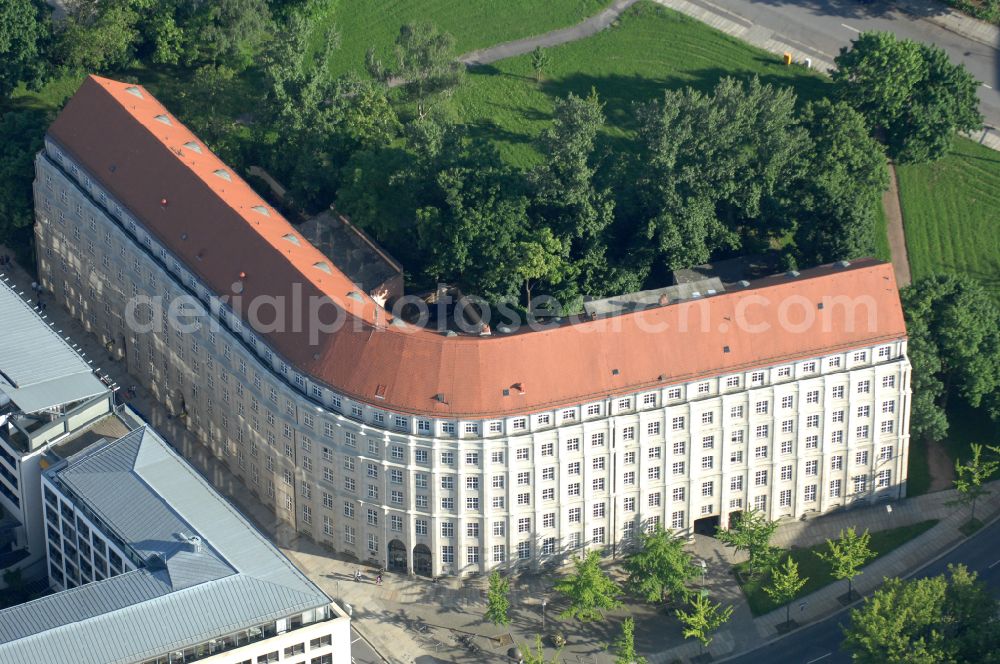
x=414 y=619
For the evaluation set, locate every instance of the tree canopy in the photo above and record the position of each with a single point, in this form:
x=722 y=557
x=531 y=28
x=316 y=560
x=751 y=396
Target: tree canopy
x=785 y=584
x=847 y=555
x=24 y=32
x=954 y=347
x=951 y=618
x=909 y=92
x=751 y=532
x=589 y=589
x=660 y=569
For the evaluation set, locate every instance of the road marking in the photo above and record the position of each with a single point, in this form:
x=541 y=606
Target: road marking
x=356 y=640
x=988 y=87
x=994 y=564
x=819 y=658
x=850 y=28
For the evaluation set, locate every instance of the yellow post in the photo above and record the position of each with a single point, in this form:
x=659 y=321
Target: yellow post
x=788 y=58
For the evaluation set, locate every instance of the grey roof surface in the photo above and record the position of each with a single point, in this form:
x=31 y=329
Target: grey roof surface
x=38 y=369
x=351 y=250
x=619 y=304
x=150 y=497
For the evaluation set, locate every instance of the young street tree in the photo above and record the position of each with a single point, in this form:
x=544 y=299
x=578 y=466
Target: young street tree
x=785 y=585
x=847 y=555
x=539 y=62
x=909 y=91
x=927 y=621
x=751 y=532
x=969 y=478
x=624 y=645
x=659 y=569
x=498 y=600
x=589 y=589
x=537 y=655
x=703 y=619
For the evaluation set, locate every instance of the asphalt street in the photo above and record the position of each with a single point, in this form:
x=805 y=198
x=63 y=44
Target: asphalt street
x=822 y=27
x=821 y=642
x=361 y=652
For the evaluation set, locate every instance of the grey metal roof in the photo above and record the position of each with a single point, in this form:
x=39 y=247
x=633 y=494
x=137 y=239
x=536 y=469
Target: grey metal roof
x=155 y=502
x=38 y=369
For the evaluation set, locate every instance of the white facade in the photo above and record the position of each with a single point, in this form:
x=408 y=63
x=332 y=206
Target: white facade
x=81 y=551
x=457 y=497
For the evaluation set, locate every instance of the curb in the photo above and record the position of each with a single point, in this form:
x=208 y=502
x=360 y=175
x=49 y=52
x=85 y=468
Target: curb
x=960 y=542
x=361 y=635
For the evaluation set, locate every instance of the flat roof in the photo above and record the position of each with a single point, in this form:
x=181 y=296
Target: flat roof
x=189 y=591
x=226 y=235
x=38 y=368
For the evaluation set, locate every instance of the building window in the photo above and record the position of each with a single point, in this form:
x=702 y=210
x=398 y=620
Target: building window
x=677 y=520
x=861 y=458
x=448 y=554
x=760 y=478
x=886 y=426
x=674 y=393
x=784 y=372
x=572 y=444
x=708 y=442
x=472 y=555
x=786 y=473
x=736 y=456
x=786 y=402
x=838 y=392
x=654 y=499
x=574 y=515
x=679 y=447
x=862 y=432
x=786 y=447
x=882 y=479
x=677 y=468
x=836 y=462
x=677 y=495
x=707 y=489
x=785 y=498
x=864 y=387
x=810 y=493
x=860 y=483
x=888 y=381
x=629 y=458
x=706 y=462
x=760 y=452
x=864 y=411
x=835 y=488
x=762 y=431
x=677 y=424
x=628 y=504
x=628 y=478
x=597 y=439
x=653 y=428
x=760 y=503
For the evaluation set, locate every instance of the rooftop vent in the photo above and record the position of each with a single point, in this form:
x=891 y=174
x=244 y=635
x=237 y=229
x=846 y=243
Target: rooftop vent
x=843 y=263
x=134 y=91
x=725 y=349
x=451 y=333
x=380 y=391
x=164 y=119
x=792 y=273
x=506 y=392
x=194 y=147
x=224 y=174
x=614 y=372
x=355 y=295
x=291 y=238
x=819 y=305
x=439 y=397
x=261 y=210
x=744 y=283
x=194 y=543
x=323 y=266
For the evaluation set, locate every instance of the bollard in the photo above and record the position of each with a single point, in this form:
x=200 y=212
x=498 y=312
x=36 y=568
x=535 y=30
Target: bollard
x=788 y=58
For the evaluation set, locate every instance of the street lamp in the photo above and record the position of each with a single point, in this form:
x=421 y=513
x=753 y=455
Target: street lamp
x=704 y=571
x=544 y=602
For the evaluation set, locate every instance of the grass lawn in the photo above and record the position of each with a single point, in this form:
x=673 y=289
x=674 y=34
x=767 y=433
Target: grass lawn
x=950 y=208
x=882 y=251
x=650 y=49
x=818 y=571
x=474 y=23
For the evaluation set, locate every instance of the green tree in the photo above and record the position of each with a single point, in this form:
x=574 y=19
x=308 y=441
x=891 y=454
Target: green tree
x=841 y=190
x=908 y=91
x=565 y=196
x=624 y=645
x=969 y=478
x=539 y=257
x=540 y=61
x=926 y=621
x=712 y=169
x=589 y=589
x=847 y=556
x=660 y=568
x=751 y=532
x=703 y=619
x=225 y=32
x=954 y=346
x=537 y=655
x=785 y=585
x=24 y=31
x=498 y=600
x=21 y=137
x=98 y=35
x=425 y=64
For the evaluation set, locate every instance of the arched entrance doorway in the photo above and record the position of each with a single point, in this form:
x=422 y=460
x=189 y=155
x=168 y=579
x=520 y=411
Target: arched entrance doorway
x=397 y=556
x=422 y=560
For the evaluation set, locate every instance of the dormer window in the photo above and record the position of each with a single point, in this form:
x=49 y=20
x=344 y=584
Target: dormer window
x=224 y=174
x=134 y=91
x=164 y=119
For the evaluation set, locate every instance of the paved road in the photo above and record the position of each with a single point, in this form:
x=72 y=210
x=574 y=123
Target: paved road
x=823 y=26
x=361 y=652
x=820 y=643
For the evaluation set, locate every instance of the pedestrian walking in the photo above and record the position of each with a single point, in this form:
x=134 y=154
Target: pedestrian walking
x=378 y=580
x=357 y=575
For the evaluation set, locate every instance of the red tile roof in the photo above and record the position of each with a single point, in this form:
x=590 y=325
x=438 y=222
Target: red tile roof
x=214 y=224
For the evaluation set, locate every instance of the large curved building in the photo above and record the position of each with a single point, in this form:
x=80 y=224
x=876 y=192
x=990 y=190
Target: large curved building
x=452 y=454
